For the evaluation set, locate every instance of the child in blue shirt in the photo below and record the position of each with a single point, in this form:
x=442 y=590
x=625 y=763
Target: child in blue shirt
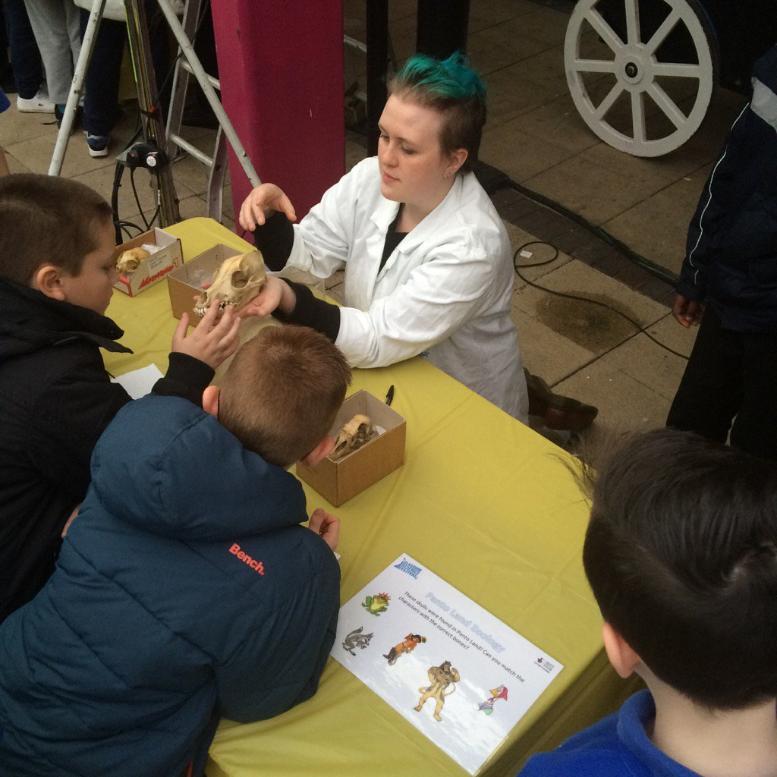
x=681 y=554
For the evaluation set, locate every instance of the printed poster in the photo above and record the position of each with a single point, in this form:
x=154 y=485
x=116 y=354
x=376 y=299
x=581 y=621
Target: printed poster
x=457 y=673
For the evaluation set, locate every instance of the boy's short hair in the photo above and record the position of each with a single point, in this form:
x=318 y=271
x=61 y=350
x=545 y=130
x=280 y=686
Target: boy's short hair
x=681 y=554
x=46 y=219
x=452 y=88
x=282 y=391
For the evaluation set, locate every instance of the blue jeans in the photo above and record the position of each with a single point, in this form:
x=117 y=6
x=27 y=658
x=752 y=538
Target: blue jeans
x=25 y=57
x=101 y=99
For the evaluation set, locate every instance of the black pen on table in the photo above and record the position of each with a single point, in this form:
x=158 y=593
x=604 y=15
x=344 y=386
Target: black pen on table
x=390 y=395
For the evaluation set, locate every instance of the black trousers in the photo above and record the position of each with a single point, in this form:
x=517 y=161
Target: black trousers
x=730 y=386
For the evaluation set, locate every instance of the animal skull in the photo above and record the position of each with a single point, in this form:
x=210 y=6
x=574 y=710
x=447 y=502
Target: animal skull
x=130 y=260
x=238 y=281
x=353 y=435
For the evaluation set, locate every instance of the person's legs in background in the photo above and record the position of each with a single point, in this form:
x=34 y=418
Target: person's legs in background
x=56 y=26
x=25 y=59
x=755 y=427
x=710 y=392
x=101 y=103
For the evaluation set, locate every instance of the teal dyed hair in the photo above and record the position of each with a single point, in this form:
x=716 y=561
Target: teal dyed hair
x=453 y=88
x=448 y=79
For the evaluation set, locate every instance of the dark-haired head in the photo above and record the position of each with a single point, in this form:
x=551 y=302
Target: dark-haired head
x=681 y=554
x=453 y=88
x=45 y=219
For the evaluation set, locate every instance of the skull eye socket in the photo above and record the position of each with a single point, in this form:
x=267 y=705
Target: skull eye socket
x=239 y=279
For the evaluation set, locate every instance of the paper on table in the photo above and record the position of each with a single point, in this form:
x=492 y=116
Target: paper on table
x=405 y=630
x=138 y=383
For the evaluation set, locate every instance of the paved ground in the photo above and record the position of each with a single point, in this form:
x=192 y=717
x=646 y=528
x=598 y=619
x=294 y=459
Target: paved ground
x=534 y=138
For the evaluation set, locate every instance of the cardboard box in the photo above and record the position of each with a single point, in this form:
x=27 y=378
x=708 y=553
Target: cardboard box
x=163 y=261
x=185 y=283
x=338 y=481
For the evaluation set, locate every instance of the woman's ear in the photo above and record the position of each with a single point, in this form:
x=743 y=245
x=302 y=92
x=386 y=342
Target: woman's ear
x=623 y=657
x=455 y=160
x=210 y=400
x=47 y=279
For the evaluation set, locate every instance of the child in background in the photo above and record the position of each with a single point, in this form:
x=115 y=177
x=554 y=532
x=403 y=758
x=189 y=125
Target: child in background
x=185 y=590
x=681 y=554
x=56 y=280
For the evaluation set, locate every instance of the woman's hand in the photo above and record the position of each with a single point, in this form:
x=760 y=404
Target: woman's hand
x=326 y=526
x=687 y=311
x=211 y=341
x=262 y=201
x=275 y=294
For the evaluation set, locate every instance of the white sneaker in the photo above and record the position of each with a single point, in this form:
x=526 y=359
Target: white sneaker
x=38 y=104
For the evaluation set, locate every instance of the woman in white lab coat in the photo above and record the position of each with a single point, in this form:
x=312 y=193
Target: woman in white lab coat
x=427 y=259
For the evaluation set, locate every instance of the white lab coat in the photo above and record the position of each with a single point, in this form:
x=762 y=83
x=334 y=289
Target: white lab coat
x=445 y=292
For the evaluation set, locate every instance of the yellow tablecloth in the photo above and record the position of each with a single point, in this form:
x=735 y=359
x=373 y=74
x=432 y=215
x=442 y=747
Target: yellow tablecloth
x=485 y=503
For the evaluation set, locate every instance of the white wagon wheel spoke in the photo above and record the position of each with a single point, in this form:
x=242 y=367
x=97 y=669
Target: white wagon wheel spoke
x=635 y=67
x=595 y=65
x=666 y=104
x=638 y=117
x=605 y=32
x=677 y=70
x=632 y=22
x=609 y=100
x=659 y=36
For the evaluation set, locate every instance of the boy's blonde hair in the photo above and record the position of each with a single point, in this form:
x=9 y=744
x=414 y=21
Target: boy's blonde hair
x=282 y=391
x=45 y=219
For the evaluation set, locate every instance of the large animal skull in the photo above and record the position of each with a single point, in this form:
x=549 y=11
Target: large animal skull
x=238 y=281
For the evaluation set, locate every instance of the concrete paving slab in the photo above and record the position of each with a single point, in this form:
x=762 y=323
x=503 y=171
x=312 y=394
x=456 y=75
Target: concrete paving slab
x=559 y=123
x=509 y=96
x=594 y=325
x=657 y=227
x=594 y=192
x=101 y=180
x=673 y=335
x=546 y=68
x=625 y=404
x=547 y=353
x=544 y=24
x=517 y=154
x=495 y=48
x=16 y=166
x=539 y=252
x=16 y=126
x=36 y=154
x=650 y=364
x=487 y=13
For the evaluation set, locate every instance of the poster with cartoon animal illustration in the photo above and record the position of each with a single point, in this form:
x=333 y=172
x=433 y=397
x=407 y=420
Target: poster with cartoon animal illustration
x=453 y=670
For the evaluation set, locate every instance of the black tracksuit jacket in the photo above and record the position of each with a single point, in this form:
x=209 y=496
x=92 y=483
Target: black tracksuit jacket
x=56 y=398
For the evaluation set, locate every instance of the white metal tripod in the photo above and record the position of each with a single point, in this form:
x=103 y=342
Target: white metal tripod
x=153 y=124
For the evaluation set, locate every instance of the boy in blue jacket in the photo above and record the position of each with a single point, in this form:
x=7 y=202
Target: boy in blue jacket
x=681 y=554
x=186 y=589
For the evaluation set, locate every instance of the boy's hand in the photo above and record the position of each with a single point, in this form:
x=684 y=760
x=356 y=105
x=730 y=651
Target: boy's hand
x=275 y=294
x=326 y=526
x=210 y=341
x=261 y=201
x=687 y=311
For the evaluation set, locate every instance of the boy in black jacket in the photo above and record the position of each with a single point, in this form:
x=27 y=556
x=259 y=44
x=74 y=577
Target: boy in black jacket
x=56 y=280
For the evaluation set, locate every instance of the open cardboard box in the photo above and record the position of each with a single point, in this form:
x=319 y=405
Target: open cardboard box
x=185 y=283
x=338 y=481
x=163 y=261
